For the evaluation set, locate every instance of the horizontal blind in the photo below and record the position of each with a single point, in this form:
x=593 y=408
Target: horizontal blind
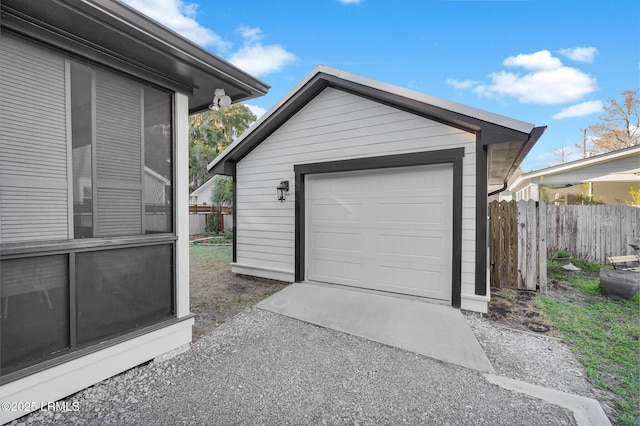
x=118 y=155
x=33 y=143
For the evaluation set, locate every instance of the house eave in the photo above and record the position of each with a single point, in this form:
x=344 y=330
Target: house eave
x=111 y=32
x=534 y=176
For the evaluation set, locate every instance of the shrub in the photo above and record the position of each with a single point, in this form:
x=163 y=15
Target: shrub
x=211 y=224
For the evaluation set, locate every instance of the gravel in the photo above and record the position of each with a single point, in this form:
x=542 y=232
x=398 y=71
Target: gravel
x=263 y=368
x=536 y=359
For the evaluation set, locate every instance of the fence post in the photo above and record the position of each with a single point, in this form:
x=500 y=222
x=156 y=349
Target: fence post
x=527 y=245
x=542 y=246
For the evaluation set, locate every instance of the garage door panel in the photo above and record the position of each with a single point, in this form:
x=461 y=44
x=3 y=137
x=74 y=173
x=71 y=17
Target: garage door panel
x=338 y=271
x=412 y=178
x=329 y=213
x=334 y=185
x=428 y=248
x=402 y=278
x=338 y=241
x=411 y=213
x=388 y=230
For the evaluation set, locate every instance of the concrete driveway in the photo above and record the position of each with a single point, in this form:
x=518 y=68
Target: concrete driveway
x=266 y=368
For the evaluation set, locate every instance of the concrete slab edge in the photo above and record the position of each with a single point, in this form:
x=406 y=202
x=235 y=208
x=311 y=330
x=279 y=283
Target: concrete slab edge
x=586 y=411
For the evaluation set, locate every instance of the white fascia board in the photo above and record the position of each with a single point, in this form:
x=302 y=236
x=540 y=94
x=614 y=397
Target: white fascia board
x=583 y=163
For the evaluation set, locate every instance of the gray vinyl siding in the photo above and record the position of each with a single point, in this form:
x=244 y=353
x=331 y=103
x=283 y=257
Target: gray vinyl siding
x=118 y=156
x=336 y=125
x=34 y=203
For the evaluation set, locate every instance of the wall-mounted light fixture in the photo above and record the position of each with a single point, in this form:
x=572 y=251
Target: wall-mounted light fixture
x=220 y=100
x=282 y=189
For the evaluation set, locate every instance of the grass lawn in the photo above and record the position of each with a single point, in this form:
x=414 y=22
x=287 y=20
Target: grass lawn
x=216 y=293
x=605 y=335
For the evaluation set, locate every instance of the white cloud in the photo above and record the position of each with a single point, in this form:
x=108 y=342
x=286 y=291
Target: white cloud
x=180 y=17
x=546 y=81
x=258 y=111
x=250 y=34
x=580 y=54
x=579 y=110
x=541 y=60
x=350 y=1
x=466 y=84
x=261 y=60
x=545 y=87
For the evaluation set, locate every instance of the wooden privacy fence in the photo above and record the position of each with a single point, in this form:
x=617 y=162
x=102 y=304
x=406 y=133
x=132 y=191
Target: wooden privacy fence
x=523 y=233
x=199 y=208
x=593 y=232
x=517 y=249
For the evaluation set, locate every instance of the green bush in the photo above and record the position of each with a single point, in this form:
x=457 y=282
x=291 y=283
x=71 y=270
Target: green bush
x=563 y=254
x=211 y=224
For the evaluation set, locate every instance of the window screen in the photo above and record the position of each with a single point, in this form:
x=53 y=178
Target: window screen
x=34 y=308
x=122 y=289
x=158 y=164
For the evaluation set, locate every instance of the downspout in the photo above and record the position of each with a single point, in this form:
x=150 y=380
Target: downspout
x=533 y=138
x=497 y=191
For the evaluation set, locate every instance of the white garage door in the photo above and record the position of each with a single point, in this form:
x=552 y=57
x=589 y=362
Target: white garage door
x=386 y=229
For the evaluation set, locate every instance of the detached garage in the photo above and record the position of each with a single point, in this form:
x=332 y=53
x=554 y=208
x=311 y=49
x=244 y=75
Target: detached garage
x=350 y=181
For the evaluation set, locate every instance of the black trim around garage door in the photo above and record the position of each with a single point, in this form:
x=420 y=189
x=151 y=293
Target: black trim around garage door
x=453 y=156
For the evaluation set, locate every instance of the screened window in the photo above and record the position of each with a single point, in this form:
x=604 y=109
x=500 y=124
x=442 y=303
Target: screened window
x=120 y=290
x=122 y=155
x=35 y=310
x=158 y=167
x=81 y=189
x=82 y=149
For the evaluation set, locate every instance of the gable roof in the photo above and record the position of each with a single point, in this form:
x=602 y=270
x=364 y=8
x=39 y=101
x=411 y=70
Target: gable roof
x=508 y=140
x=616 y=166
x=205 y=188
x=112 y=33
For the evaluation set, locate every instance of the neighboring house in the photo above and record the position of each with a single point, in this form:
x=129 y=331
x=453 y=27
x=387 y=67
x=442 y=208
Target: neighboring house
x=387 y=188
x=94 y=105
x=606 y=177
x=202 y=195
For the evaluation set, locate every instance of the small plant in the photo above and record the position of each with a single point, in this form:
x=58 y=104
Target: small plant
x=588 y=200
x=211 y=224
x=218 y=240
x=586 y=284
x=635 y=197
x=562 y=254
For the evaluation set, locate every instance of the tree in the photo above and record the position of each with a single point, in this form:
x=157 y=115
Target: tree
x=222 y=191
x=620 y=124
x=210 y=132
x=560 y=155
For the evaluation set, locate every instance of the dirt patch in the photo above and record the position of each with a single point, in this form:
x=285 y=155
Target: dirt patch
x=518 y=309
x=216 y=293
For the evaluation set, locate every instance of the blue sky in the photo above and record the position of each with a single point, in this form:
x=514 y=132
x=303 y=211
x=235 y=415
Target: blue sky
x=546 y=62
